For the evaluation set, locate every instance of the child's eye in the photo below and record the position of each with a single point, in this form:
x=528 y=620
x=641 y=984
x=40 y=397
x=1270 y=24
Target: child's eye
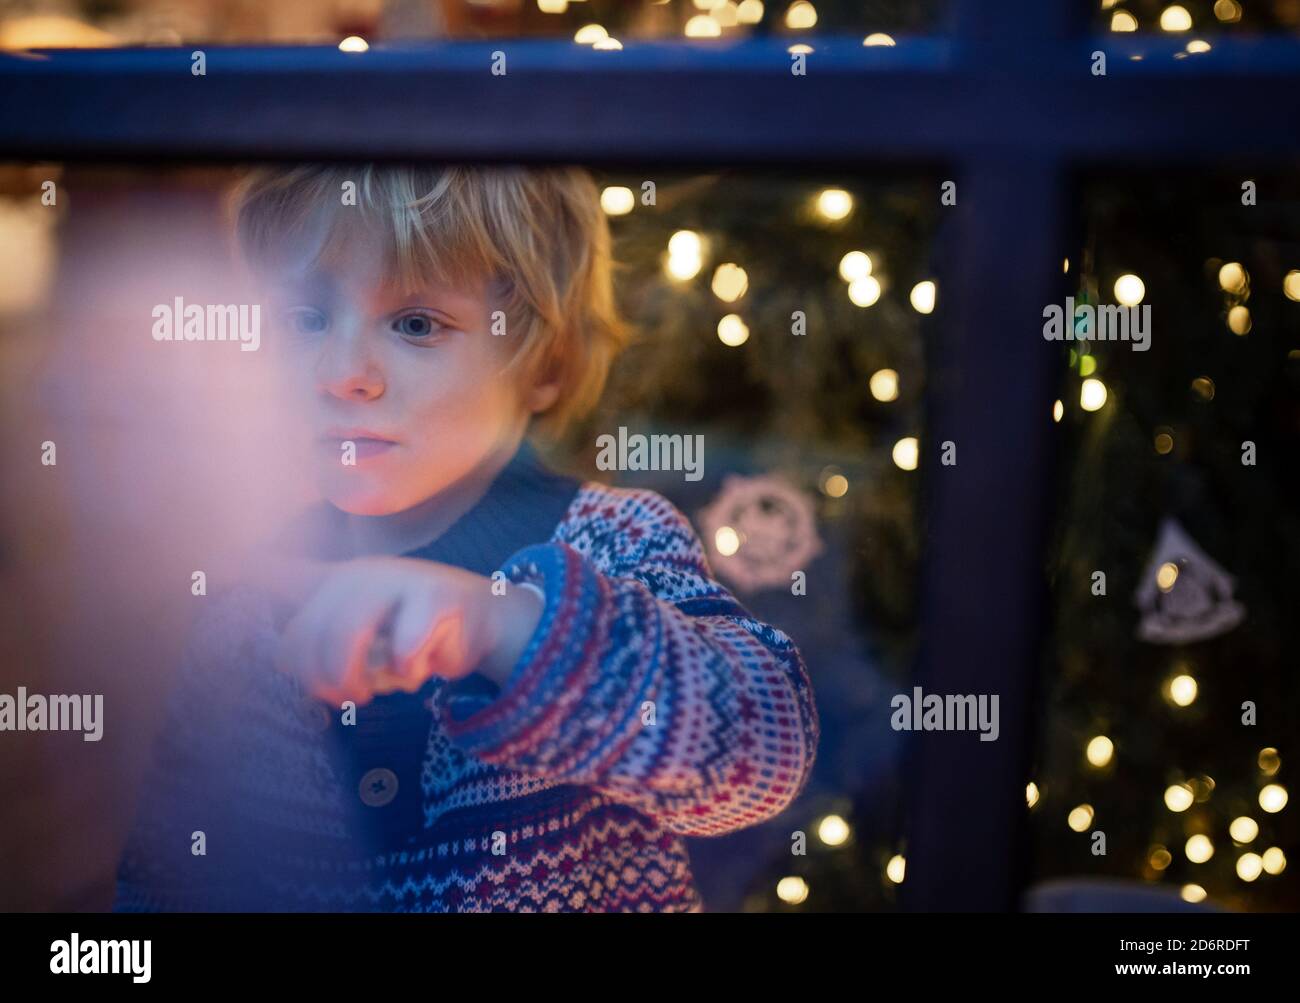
x=306 y=320
x=417 y=326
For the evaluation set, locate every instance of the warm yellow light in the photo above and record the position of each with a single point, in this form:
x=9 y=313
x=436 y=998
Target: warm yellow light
x=1159 y=858
x=1243 y=829
x=589 y=34
x=1087 y=365
x=1058 y=411
x=836 y=486
x=1183 y=690
x=732 y=330
x=750 y=11
x=906 y=453
x=703 y=26
x=1198 y=45
x=1192 y=893
x=1227 y=11
x=1239 y=322
x=1233 y=277
x=1092 y=395
x=922 y=297
x=617 y=201
x=1273 y=798
x=799 y=47
x=1175 y=18
x=1199 y=849
x=1100 y=750
x=1274 y=860
x=1080 y=817
x=1249 y=866
x=856 y=265
x=685 y=255
x=865 y=291
x=1166 y=576
x=792 y=890
x=726 y=540
x=52 y=31
x=1032 y=794
x=800 y=15
x=834 y=203
x=354 y=43
x=878 y=38
x=896 y=869
x=607 y=43
x=1179 y=797
x=727 y=14
x=729 y=282
x=1065 y=267
x=1164 y=443
x=1269 y=761
x=1122 y=20
x=1203 y=386
x=552 y=6
x=884 y=385
x=683 y=267
x=685 y=243
x=1291 y=286
x=1129 y=290
x=833 y=830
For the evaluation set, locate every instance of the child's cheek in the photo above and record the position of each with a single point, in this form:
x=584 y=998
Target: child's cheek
x=453 y=418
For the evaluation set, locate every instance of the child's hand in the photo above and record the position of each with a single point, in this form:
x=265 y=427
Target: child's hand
x=377 y=625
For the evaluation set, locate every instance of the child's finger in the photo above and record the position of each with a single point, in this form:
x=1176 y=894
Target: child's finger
x=414 y=625
x=330 y=695
x=309 y=641
x=356 y=686
x=348 y=638
x=442 y=651
x=320 y=645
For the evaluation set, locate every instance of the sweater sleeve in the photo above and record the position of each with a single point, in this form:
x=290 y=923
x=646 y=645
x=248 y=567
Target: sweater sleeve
x=646 y=679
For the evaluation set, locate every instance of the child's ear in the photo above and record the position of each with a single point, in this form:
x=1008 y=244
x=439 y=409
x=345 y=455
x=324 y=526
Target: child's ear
x=542 y=396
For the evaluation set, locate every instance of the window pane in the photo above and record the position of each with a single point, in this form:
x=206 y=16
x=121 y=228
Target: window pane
x=777 y=323
x=1196 y=17
x=46 y=24
x=1172 y=702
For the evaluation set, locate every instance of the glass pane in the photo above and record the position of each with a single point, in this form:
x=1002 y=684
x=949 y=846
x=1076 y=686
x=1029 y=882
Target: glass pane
x=48 y=24
x=1173 y=703
x=776 y=356
x=1196 y=17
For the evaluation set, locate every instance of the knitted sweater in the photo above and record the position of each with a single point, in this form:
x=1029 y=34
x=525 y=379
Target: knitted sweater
x=649 y=705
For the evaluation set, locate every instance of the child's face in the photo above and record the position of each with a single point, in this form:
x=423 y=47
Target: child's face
x=415 y=382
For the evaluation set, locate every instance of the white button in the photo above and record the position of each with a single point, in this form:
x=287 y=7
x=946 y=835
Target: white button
x=378 y=787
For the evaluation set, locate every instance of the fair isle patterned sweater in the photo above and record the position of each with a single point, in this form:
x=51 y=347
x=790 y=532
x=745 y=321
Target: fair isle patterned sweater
x=649 y=705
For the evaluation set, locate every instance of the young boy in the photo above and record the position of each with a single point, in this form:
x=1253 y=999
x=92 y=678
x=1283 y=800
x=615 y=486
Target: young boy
x=465 y=683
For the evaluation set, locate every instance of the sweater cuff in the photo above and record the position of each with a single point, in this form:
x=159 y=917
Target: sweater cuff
x=555 y=669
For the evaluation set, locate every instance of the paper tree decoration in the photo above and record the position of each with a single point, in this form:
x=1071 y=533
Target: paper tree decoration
x=759 y=531
x=1184 y=596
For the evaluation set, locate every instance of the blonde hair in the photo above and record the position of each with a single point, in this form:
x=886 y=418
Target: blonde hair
x=538 y=235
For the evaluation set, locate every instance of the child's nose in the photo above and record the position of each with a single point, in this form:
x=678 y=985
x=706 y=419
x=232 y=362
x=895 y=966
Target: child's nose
x=348 y=369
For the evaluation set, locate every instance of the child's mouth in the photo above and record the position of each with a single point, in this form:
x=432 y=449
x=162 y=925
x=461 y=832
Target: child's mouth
x=345 y=446
x=367 y=448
